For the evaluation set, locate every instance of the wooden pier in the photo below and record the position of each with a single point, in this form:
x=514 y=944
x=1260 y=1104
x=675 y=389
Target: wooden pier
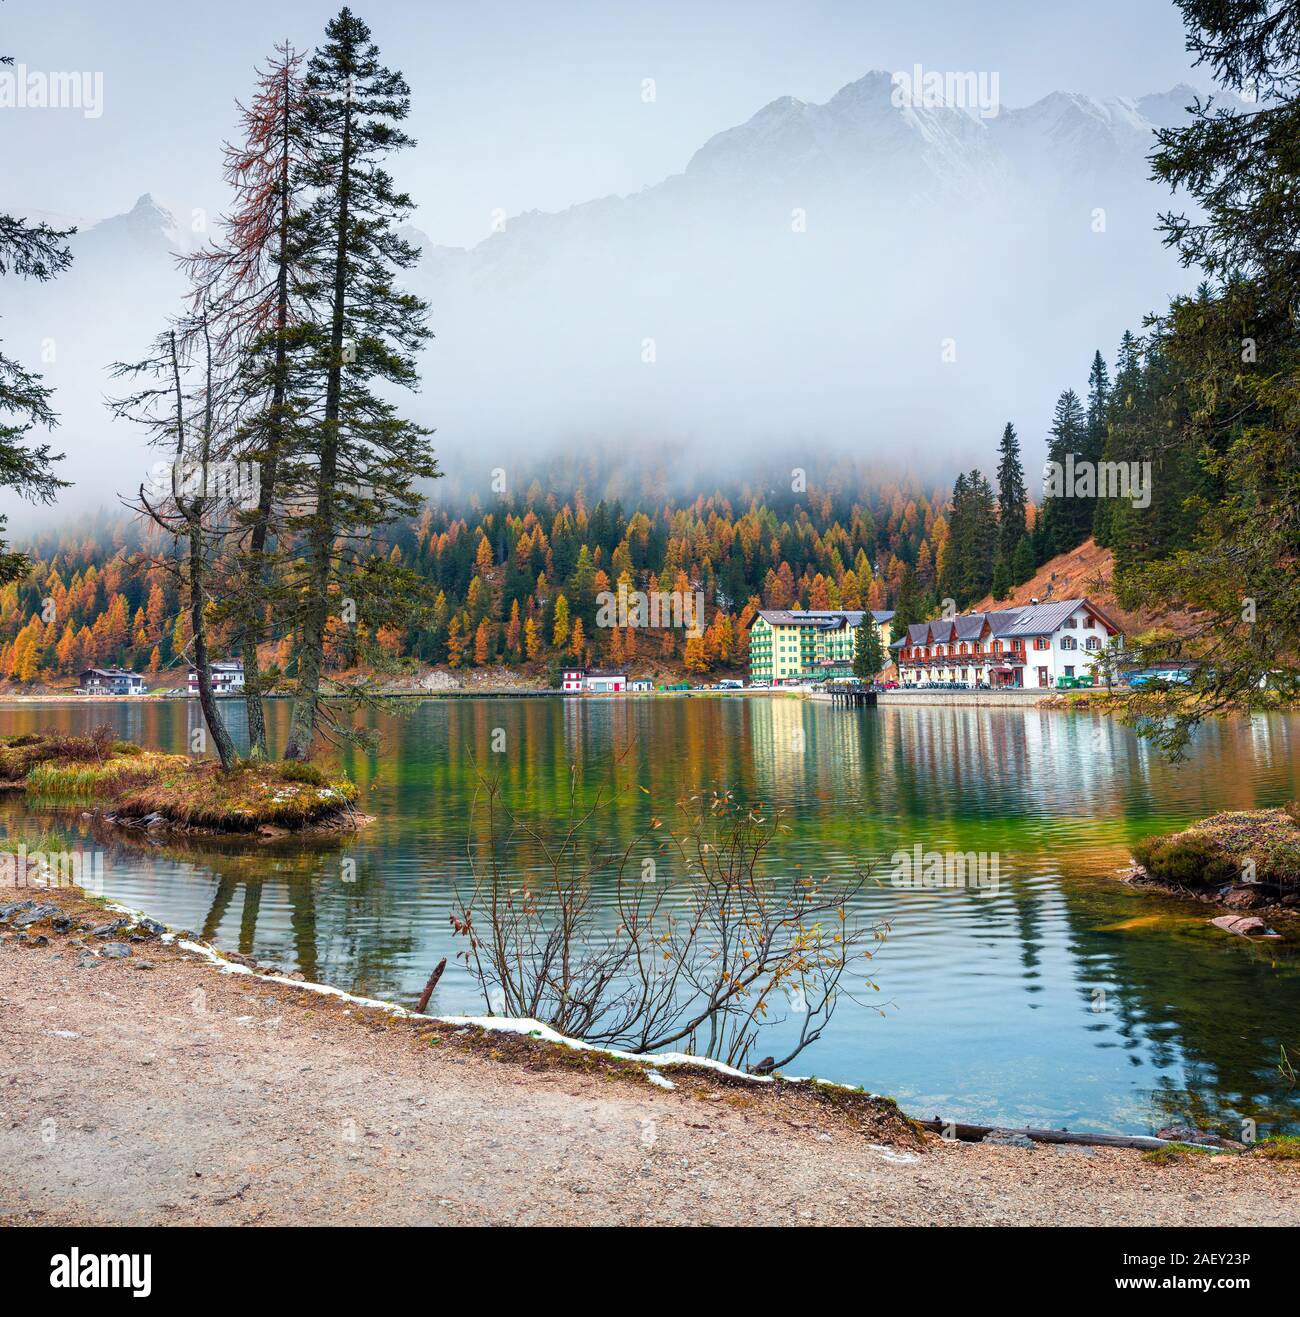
x=853 y=697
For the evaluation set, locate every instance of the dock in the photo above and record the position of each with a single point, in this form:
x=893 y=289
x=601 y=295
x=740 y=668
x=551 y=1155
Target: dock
x=853 y=697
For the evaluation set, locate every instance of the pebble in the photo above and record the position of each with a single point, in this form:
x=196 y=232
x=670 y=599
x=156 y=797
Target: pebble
x=116 y=950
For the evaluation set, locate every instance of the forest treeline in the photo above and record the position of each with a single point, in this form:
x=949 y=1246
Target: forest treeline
x=515 y=580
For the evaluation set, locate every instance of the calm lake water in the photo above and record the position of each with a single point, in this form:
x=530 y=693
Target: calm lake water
x=1063 y=999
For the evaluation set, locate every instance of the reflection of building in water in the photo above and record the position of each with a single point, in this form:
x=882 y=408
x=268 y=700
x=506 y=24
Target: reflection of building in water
x=795 y=740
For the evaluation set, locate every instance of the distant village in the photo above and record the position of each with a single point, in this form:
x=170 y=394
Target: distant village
x=1035 y=646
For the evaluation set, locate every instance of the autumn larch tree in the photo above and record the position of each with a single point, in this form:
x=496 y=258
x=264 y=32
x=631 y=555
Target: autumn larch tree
x=249 y=277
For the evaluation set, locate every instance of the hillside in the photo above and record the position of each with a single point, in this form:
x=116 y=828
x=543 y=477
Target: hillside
x=1088 y=570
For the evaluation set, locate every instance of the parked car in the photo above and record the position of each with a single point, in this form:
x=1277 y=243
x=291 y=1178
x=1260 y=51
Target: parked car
x=1173 y=676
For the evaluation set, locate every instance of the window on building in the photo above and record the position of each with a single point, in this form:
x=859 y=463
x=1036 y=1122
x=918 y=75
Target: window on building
x=1069 y=642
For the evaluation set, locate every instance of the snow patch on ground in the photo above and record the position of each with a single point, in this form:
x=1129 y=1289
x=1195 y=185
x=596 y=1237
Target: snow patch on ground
x=489 y=1023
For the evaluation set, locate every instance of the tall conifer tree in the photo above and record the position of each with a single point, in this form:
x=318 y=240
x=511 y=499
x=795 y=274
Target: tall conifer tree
x=360 y=471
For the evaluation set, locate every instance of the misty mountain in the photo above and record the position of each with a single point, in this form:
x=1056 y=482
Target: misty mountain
x=887 y=281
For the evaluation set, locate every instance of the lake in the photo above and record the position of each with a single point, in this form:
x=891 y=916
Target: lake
x=1061 y=999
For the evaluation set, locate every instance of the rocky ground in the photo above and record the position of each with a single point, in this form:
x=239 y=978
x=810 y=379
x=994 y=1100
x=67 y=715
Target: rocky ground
x=143 y=1085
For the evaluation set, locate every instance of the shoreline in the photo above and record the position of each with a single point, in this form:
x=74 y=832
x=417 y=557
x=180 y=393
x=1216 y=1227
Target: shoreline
x=280 y=1101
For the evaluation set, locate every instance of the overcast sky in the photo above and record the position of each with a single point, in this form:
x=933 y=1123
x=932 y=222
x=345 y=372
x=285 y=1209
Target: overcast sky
x=527 y=104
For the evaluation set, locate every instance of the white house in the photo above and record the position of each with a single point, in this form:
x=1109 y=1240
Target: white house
x=605 y=683
x=227 y=678
x=641 y=684
x=595 y=682
x=1034 y=645
x=110 y=681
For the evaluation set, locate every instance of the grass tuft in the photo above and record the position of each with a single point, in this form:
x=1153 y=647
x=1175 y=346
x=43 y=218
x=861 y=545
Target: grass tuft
x=1278 y=1148
x=1173 y=1153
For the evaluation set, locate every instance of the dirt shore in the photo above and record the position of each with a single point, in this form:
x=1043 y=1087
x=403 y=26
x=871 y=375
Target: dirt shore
x=152 y=1088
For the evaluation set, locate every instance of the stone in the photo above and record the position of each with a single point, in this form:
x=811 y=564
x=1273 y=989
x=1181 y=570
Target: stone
x=1243 y=925
x=34 y=914
x=13 y=908
x=87 y=960
x=115 y=950
x=61 y=923
x=107 y=930
x=1244 y=897
x=1008 y=1139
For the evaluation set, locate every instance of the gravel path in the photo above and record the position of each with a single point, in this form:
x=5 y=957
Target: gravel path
x=179 y=1094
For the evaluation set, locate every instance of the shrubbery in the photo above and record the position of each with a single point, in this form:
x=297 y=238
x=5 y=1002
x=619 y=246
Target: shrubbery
x=1187 y=860
x=293 y=770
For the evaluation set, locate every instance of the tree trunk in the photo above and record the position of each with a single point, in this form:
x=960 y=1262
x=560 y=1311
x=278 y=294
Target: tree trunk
x=202 y=663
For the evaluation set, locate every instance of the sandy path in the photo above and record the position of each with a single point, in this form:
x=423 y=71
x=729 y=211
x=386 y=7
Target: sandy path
x=180 y=1094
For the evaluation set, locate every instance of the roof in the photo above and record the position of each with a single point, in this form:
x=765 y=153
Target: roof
x=112 y=672
x=606 y=672
x=1037 y=619
x=828 y=618
x=1027 y=620
x=970 y=626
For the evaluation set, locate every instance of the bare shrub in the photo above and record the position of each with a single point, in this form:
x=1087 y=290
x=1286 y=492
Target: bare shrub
x=678 y=939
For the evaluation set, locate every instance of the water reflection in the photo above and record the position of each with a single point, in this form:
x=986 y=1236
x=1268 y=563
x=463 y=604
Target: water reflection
x=1063 y=998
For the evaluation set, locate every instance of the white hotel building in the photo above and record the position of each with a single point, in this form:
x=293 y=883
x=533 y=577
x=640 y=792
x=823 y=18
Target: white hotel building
x=1032 y=646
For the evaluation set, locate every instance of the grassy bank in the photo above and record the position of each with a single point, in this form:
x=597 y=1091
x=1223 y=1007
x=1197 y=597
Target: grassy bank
x=133 y=785
x=1243 y=858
